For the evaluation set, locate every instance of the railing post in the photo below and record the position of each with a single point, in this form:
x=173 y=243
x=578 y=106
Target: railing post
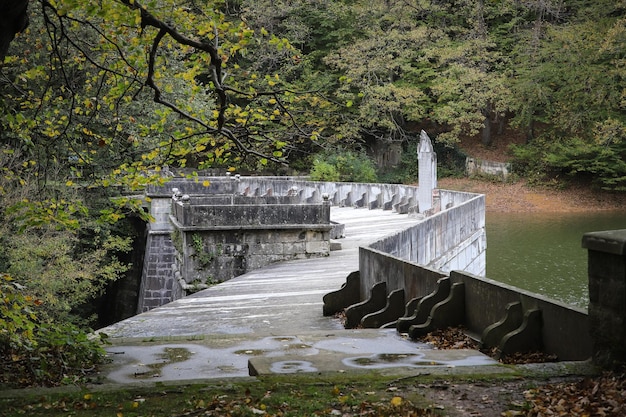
x=607 y=295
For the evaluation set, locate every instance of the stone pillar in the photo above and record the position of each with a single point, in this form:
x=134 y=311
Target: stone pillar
x=607 y=295
x=427 y=173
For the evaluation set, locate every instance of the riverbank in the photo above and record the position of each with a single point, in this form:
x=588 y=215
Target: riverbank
x=519 y=196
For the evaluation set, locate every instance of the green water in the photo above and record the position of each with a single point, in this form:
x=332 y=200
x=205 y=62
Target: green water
x=543 y=253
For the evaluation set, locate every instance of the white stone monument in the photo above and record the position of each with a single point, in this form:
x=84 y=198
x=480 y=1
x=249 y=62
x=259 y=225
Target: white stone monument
x=427 y=172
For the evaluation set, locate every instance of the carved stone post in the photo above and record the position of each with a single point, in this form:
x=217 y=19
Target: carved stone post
x=607 y=295
x=427 y=173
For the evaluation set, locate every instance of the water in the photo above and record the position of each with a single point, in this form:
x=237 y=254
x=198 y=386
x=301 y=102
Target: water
x=542 y=252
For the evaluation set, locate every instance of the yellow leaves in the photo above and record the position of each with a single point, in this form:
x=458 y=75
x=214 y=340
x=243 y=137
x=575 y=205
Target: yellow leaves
x=396 y=401
x=150 y=156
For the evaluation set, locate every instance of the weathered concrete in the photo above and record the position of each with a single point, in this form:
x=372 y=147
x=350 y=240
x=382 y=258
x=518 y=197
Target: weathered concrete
x=607 y=295
x=254 y=315
x=475 y=166
x=427 y=173
x=334 y=351
x=265 y=300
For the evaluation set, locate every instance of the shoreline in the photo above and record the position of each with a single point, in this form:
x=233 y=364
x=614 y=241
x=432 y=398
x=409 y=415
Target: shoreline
x=520 y=197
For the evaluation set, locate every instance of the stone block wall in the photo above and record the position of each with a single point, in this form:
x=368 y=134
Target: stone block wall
x=475 y=166
x=216 y=255
x=158 y=284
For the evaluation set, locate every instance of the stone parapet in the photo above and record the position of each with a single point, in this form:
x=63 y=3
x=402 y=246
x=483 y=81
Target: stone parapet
x=607 y=295
x=190 y=215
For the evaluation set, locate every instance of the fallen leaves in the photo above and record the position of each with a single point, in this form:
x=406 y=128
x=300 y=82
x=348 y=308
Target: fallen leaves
x=601 y=396
x=450 y=338
x=456 y=338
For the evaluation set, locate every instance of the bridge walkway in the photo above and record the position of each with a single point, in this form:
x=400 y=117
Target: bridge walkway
x=272 y=312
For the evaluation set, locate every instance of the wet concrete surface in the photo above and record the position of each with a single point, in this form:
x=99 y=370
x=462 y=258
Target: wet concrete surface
x=270 y=321
x=323 y=352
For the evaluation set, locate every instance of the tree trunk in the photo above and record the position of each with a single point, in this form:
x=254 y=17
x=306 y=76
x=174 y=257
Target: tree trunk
x=13 y=19
x=486 y=138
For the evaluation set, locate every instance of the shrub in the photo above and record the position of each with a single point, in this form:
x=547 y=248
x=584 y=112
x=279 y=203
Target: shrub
x=323 y=171
x=38 y=352
x=343 y=166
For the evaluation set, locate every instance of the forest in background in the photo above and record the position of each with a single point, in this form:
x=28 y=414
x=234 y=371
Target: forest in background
x=98 y=99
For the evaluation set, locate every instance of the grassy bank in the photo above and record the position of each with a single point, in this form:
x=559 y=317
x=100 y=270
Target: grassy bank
x=287 y=395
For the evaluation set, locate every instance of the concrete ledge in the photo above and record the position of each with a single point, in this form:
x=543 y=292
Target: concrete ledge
x=611 y=241
x=432 y=360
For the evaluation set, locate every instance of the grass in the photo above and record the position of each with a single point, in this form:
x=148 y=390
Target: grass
x=289 y=395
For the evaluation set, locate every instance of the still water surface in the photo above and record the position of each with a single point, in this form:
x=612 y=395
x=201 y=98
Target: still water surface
x=542 y=253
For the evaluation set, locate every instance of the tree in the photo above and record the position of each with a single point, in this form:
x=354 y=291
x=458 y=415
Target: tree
x=13 y=19
x=97 y=98
x=78 y=92
x=572 y=86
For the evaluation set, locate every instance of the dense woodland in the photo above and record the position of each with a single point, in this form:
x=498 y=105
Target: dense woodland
x=97 y=99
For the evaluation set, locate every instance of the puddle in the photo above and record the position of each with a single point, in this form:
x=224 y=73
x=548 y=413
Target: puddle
x=382 y=361
x=284 y=339
x=380 y=345
x=252 y=352
x=297 y=346
x=291 y=367
x=169 y=356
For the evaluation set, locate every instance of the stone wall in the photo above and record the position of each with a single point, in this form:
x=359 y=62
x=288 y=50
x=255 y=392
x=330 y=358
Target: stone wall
x=607 y=295
x=216 y=241
x=451 y=239
x=415 y=260
x=475 y=166
x=189 y=214
x=158 y=285
x=402 y=198
x=565 y=329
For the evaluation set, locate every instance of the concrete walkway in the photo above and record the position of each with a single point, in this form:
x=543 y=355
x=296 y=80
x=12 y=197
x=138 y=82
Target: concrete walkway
x=270 y=321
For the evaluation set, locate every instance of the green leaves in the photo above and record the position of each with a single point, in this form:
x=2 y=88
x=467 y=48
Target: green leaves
x=37 y=352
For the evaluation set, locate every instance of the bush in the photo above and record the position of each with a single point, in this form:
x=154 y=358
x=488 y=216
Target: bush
x=38 y=352
x=323 y=171
x=341 y=165
x=601 y=156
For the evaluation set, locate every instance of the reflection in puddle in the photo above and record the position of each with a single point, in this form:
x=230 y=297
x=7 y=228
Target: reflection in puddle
x=381 y=361
x=168 y=356
x=252 y=352
x=291 y=367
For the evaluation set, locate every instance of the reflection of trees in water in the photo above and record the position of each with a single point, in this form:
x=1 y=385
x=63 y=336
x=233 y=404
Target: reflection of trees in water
x=542 y=253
